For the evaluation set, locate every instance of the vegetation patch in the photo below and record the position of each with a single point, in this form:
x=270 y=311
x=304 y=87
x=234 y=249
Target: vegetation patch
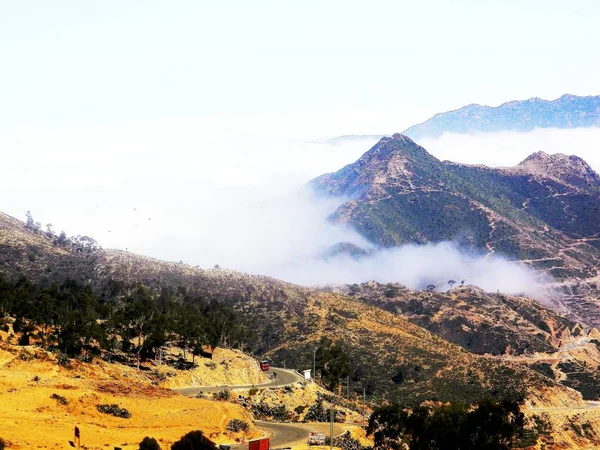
x=59 y=399
x=236 y=425
x=114 y=410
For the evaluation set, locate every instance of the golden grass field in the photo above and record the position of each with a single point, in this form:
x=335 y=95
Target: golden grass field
x=30 y=418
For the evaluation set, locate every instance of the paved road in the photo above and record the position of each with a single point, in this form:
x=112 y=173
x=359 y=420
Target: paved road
x=293 y=434
x=284 y=378
x=280 y=434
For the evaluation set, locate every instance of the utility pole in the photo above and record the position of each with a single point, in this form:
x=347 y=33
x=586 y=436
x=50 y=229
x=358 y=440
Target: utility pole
x=364 y=407
x=332 y=413
x=315 y=365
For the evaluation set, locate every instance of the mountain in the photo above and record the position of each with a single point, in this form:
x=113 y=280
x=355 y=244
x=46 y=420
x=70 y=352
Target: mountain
x=402 y=345
x=507 y=327
x=543 y=212
x=391 y=357
x=568 y=111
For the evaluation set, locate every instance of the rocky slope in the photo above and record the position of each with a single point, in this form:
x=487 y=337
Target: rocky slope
x=568 y=111
x=543 y=212
x=510 y=328
x=286 y=321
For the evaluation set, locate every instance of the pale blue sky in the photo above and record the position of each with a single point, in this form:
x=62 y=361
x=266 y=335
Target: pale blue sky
x=110 y=61
x=113 y=113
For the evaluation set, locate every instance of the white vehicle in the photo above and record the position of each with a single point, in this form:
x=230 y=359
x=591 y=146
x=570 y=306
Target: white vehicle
x=316 y=439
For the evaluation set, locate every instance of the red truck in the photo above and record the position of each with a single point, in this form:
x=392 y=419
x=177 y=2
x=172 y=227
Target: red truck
x=264 y=365
x=259 y=444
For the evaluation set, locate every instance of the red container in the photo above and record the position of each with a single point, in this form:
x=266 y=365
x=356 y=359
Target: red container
x=259 y=444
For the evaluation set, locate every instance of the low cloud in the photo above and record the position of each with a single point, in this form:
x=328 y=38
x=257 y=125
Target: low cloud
x=210 y=193
x=508 y=148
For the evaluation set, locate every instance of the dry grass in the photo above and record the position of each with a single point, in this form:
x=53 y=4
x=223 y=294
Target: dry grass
x=30 y=418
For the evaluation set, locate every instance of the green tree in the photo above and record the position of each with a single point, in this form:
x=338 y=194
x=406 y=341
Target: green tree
x=139 y=312
x=488 y=425
x=194 y=440
x=333 y=363
x=149 y=443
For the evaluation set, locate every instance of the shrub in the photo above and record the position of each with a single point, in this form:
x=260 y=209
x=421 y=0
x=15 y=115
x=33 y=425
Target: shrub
x=264 y=411
x=63 y=360
x=36 y=379
x=114 y=410
x=236 y=425
x=59 y=399
x=194 y=440
x=24 y=339
x=299 y=409
x=2 y=444
x=149 y=443
x=253 y=391
x=224 y=395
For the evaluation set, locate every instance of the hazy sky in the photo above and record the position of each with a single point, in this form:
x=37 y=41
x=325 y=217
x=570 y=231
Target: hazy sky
x=383 y=64
x=173 y=128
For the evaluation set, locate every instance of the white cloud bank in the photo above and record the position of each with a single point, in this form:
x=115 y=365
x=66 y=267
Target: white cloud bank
x=508 y=148
x=217 y=193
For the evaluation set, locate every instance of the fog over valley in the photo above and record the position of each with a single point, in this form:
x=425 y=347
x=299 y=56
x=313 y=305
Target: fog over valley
x=227 y=193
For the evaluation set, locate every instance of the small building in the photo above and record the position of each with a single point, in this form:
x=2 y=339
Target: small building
x=306 y=374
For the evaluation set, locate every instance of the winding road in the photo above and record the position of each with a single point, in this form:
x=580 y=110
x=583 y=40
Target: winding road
x=293 y=434
x=283 y=377
x=280 y=434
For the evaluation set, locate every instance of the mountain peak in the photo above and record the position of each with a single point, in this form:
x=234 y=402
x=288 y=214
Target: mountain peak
x=568 y=168
x=395 y=161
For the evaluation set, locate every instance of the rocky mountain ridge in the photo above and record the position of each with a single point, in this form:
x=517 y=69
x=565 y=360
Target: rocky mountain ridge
x=568 y=111
x=543 y=212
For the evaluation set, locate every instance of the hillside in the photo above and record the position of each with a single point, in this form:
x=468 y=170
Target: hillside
x=41 y=401
x=568 y=111
x=286 y=321
x=542 y=212
x=508 y=327
x=395 y=350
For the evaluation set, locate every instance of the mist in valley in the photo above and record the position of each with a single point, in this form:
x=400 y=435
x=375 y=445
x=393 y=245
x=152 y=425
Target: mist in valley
x=221 y=193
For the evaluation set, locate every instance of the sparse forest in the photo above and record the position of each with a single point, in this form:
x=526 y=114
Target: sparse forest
x=71 y=319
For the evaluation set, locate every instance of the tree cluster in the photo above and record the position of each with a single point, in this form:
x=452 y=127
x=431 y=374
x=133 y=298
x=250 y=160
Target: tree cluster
x=487 y=425
x=80 y=244
x=72 y=319
x=194 y=440
x=332 y=362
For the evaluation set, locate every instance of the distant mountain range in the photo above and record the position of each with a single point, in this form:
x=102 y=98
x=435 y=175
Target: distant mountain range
x=568 y=111
x=543 y=211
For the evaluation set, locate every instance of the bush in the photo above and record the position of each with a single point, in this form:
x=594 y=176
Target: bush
x=224 y=395
x=263 y=411
x=194 y=440
x=236 y=425
x=63 y=360
x=24 y=339
x=2 y=444
x=149 y=443
x=114 y=410
x=59 y=399
x=299 y=409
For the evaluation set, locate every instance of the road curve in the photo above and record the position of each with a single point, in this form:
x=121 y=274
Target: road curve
x=293 y=434
x=284 y=377
x=279 y=434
